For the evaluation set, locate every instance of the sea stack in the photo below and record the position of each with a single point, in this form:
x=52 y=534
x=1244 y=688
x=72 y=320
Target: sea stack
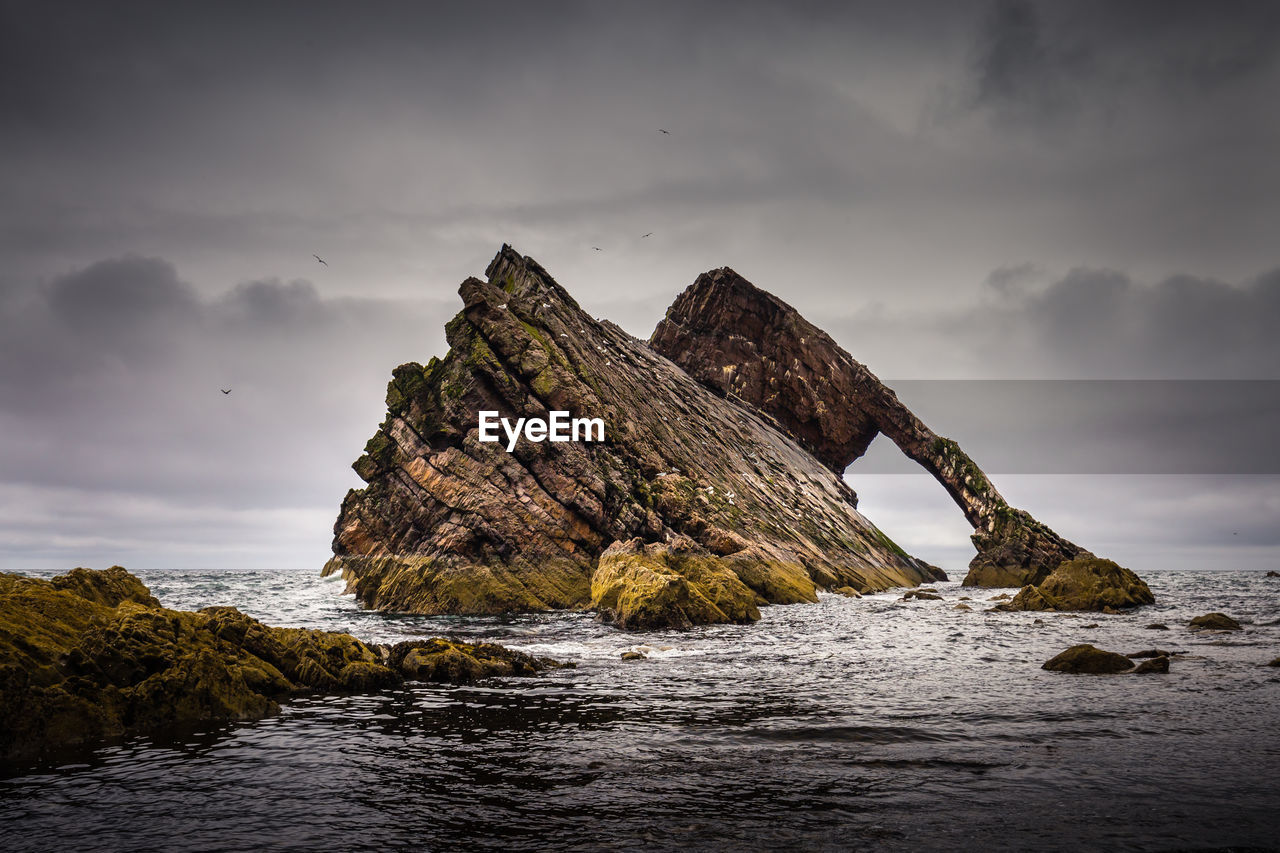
x=712 y=486
x=452 y=524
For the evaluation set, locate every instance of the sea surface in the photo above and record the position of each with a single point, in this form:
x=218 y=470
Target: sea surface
x=848 y=724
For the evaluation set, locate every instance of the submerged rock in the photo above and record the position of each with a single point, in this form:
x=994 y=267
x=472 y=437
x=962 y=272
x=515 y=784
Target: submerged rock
x=91 y=654
x=634 y=656
x=1086 y=659
x=1214 y=622
x=1156 y=664
x=452 y=524
x=1087 y=583
x=921 y=594
x=1157 y=626
x=1273 y=574
x=1275 y=662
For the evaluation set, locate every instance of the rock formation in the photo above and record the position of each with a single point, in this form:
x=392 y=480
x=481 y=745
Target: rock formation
x=91 y=654
x=752 y=347
x=1085 y=659
x=1214 y=622
x=1085 y=583
x=731 y=511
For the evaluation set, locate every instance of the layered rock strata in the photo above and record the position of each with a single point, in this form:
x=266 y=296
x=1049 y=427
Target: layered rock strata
x=91 y=655
x=753 y=348
x=451 y=524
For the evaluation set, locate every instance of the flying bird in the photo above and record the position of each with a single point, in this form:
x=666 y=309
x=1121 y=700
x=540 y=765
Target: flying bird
x=650 y=234
x=597 y=248
x=320 y=259
x=667 y=132
x=225 y=390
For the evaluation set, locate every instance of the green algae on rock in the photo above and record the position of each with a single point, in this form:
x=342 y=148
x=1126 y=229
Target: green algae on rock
x=91 y=655
x=448 y=524
x=669 y=585
x=1086 y=583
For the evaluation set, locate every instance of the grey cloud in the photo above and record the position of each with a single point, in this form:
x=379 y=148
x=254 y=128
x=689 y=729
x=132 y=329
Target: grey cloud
x=1087 y=324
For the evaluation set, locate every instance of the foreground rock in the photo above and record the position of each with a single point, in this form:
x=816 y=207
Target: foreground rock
x=451 y=524
x=677 y=585
x=91 y=655
x=1086 y=659
x=1214 y=622
x=747 y=344
x=1084 y=584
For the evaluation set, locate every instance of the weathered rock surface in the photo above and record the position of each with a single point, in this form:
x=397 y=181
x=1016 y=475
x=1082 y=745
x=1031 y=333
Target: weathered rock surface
x=1214 y=622
x=1086 y=659
x=752 y=347
x=91 y=654
x=449 y=524
x=1084 y=584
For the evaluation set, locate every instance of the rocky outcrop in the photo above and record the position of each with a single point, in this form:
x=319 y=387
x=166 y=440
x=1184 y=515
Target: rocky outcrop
x=1214 y=622
x=717 y=491
x=1086 y=583
x=91 y=654
x=752 y=347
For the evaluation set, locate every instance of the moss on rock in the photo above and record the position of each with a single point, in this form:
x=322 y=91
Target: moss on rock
x=1087 y=583
x=675 y=585
x=91 y=655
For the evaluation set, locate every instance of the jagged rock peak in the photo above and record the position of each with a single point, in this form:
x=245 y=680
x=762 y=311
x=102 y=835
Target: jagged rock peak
x=452 y=524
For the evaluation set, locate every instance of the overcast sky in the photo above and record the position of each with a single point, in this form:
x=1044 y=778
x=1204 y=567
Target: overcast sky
x=988 y=190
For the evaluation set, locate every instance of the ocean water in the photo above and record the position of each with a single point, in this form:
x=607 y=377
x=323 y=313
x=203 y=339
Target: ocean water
x=848 y=724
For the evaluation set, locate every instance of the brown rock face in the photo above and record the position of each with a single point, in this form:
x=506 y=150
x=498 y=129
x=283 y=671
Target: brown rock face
x=451 y=524
x=753 y=348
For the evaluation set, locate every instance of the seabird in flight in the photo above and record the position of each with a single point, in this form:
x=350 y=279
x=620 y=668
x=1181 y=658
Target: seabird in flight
x=667 y=132
x=320 y=259
x=650 y=234
x=225 y=390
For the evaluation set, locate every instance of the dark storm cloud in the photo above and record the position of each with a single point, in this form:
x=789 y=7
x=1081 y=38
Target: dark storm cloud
x=1041 y=62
